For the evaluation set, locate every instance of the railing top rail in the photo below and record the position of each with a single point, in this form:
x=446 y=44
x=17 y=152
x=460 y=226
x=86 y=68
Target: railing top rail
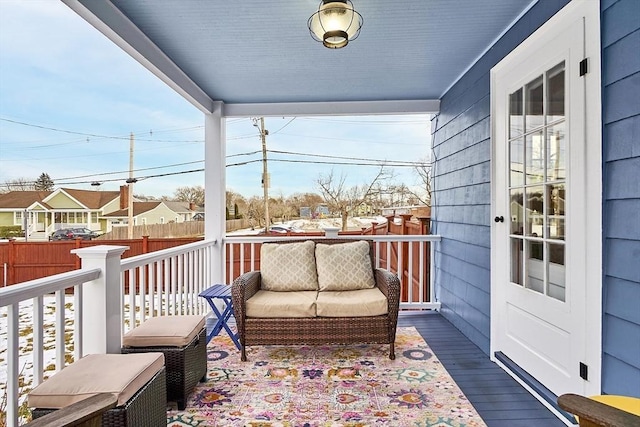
x=374 y=237
x=46 y=285
x=144 y=259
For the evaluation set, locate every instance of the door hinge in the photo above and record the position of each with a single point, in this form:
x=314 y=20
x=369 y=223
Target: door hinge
x=584 y=371
x=584 y=66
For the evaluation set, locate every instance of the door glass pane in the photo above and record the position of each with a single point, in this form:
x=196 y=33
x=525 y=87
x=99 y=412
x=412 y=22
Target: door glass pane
x=534 y=158
x=556 y=153
x=556 y=272
x=535 y=266
x=516 y=211
x=534 y=211
x=516 y=261
x=516 y=119
x=555 y=211
x=516 y=162
x=555 y=93
x=534 y=102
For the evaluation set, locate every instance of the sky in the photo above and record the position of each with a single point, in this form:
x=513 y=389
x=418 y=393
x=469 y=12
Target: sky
x=70 y=98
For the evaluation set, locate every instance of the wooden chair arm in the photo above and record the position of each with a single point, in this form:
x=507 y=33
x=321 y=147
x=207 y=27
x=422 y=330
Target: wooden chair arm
x=85 y=413
x=595 y=414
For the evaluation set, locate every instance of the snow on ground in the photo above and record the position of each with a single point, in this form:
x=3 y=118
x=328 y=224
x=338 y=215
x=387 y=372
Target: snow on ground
x=25 y=342
x=353 y=224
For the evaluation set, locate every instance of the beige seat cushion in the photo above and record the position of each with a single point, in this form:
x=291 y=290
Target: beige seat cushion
x=119 y=374
x=282 y=304
x=344 y=266
x=164 y=331
x=358 y=303
x=288 y=267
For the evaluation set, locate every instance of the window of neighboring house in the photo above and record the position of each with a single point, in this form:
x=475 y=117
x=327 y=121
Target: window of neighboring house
x=144 y=221
x=161 y=220
x=94 y=217
x=17 y=218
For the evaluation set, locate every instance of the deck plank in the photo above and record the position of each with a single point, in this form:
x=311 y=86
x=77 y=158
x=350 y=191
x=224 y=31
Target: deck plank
x=499 y=399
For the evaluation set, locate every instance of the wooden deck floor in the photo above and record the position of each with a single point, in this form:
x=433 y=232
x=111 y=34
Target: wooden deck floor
x=497 y=397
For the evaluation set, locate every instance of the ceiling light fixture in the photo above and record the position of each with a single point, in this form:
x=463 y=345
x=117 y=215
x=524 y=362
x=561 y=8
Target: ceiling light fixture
x=335 y=24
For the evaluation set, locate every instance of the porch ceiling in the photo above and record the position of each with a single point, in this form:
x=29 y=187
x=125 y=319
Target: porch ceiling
x=260 y=52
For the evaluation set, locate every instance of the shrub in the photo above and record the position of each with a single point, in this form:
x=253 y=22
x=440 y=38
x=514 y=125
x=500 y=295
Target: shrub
x=10 y=231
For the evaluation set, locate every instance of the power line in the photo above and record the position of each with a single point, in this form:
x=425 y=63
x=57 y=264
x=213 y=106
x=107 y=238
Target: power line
x=347 y=158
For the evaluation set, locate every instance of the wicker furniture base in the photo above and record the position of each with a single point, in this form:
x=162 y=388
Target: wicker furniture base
x=185 y=366
x=320 y=330
x=146 y=408
x=317 y=330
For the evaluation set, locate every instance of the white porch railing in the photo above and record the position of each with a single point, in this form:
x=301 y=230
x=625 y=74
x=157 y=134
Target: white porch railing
x=94 y=318
x=111 y=295
x=166 y=283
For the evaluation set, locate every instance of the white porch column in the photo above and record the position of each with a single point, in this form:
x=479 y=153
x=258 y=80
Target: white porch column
x=101 y=300
x=215 y=187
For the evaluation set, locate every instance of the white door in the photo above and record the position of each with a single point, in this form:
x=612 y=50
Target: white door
x=543 y=148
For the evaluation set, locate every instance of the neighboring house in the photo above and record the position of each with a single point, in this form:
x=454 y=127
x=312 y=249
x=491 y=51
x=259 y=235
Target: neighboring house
x=548 y=105
x=144 y=213
x=184 y=210
x=43 y=212
x=363 y=209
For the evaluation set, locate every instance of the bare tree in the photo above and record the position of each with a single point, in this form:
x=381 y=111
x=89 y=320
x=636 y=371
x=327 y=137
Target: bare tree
x=425 y=174
x=255 y=211
x=343 y=199
x=304 y=200
x=237 y=201
x=193 y=194
x=18 y=184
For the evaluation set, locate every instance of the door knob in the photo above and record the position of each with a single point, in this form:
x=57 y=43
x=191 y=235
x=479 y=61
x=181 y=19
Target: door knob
x=499 y=219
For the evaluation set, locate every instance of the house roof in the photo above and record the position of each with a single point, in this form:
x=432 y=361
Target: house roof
x=92 y=199
x=25 y=199
x=22 y=199
x=255 y=54
x=138 y=209
x=180 y=207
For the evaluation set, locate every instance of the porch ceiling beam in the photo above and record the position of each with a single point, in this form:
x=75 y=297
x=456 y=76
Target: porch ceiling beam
x=108 y=19
x=426 y=106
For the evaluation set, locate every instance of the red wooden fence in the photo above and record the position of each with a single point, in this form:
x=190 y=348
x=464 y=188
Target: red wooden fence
x=23 y=261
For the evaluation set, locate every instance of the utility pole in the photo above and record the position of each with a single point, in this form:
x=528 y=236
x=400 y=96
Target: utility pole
x=265 y=175
x=130 y=182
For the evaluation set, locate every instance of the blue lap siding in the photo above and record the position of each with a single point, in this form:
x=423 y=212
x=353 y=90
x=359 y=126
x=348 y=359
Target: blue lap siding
x=462 y=183
x=620 y=21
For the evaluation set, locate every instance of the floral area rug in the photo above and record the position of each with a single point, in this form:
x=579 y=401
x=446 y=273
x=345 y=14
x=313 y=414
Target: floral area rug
x=326 y=386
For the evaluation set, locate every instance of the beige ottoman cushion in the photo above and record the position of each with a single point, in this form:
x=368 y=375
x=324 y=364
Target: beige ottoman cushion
x=164 y=331
x=270 y=304
x=119 y=374
x=360 y=303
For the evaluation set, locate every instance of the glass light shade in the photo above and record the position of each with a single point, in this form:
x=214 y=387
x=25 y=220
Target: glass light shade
x=335 y=23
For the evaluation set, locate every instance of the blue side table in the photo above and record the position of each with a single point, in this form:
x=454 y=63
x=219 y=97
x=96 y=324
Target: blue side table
x=221 y=292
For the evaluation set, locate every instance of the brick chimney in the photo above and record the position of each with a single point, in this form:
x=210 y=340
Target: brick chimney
x=192 y=206
x=124 y=196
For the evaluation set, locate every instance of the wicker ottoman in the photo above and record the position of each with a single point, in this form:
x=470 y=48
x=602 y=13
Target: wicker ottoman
x=183 y=341
x=138 y=381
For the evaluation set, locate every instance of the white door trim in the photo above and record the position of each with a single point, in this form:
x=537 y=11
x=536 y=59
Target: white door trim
x=590 y=11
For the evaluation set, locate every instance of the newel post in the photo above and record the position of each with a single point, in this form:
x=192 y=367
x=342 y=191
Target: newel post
x=101 y=300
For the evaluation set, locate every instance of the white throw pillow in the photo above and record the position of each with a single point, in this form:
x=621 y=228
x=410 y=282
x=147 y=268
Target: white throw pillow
x=344 y=266
x=288 y=267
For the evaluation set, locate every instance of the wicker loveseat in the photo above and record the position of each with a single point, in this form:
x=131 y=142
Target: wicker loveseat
x=316 y=292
